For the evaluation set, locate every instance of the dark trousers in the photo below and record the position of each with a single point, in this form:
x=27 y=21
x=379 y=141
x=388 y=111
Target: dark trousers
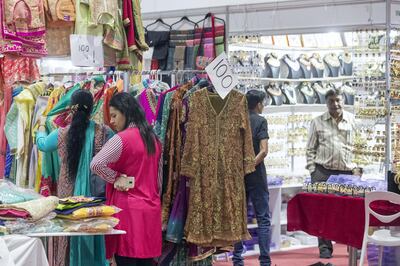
x=126 y=261
x=322 y=174
x=259 y=196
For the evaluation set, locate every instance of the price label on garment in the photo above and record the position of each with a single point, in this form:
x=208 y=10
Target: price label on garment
x=221 y=76
x=87 y=50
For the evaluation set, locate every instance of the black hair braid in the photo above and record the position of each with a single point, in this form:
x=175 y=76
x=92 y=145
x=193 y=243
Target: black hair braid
x=81 y=105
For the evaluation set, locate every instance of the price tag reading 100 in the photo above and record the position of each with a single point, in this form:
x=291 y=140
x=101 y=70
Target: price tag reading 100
x=221 y=75
x=87 y=50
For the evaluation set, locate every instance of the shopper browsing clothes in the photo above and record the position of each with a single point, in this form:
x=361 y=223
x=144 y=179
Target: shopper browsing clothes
x=329 y=148
x=129 y=162
x=256 y=182
x=76 y=145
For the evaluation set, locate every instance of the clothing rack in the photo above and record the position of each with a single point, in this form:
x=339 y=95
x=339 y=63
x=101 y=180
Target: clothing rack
x=124 y=74
x=173 y=73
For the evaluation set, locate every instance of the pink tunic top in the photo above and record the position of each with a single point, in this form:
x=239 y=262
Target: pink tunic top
x=125 y=153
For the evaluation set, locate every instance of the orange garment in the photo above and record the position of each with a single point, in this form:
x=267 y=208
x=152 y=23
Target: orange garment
x=106 y=108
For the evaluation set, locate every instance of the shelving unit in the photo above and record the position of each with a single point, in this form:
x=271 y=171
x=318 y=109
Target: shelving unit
x=277 y=225
x=327 y=79
x=251 y=72
x=357 y=49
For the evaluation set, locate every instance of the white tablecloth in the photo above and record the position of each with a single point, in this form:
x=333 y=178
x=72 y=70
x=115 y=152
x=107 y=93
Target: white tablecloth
x=19 y=250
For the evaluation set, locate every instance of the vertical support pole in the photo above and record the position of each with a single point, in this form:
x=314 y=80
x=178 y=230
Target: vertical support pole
x=388 y=150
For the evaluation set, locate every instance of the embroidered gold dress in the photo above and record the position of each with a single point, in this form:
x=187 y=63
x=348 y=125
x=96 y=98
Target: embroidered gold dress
x=218 y=154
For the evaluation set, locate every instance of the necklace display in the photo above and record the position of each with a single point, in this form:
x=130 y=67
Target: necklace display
x=320 y=91
x=346 y=64
x=268 y=99
x=293 y=65
x=333 y=63
x=348 y=93
x=317 y=66
x=332 y=60
x=308 y=93
x=276 y=94
x=272 y=60
x=272 y=65
x=305 y=65
x=289 y=92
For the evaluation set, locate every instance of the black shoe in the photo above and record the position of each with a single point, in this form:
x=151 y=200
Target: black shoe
x=325 y=254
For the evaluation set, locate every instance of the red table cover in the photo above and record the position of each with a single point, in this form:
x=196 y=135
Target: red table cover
x=338 y=218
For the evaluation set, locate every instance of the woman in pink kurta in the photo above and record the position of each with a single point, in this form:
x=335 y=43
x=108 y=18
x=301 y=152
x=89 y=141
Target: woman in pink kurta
x=134 y=152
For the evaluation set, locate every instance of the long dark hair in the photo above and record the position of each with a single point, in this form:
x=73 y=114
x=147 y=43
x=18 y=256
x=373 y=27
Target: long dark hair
x=81 y=106
x=133 y=112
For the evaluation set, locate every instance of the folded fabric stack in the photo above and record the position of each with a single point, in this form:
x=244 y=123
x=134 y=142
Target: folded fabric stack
x=87 y=214
x=10 y=193
x=32 y=210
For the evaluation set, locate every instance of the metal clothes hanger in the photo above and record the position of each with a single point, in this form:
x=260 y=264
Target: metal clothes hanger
x=159 y=20
x=186 y=19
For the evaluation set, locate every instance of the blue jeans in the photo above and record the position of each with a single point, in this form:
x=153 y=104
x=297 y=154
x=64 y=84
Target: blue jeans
x=259 y=196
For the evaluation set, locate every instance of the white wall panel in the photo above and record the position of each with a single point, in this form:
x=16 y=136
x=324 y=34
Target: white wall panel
x=277 y=16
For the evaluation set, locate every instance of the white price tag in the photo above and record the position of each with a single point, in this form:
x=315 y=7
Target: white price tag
x=87 y=50
x=221 y=76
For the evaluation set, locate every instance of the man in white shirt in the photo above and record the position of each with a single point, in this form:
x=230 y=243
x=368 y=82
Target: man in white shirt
x=330 y=148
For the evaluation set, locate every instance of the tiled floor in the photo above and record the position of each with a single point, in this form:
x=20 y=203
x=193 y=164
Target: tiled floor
x=300 y=257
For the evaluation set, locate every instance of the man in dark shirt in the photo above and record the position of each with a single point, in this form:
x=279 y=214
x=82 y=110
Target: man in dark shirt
x=256 y=182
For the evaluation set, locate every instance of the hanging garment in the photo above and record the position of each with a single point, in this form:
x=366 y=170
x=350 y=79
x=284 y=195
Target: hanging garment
x=21 y=113
x=103 y=12
x=115 y=37
x=172 y=150
x=150 y=102
x=59 y=11
x=23 y=26
x=34 y=165
x=60 y=17
x=49 y=160
x=16 y=70
x=218 y=154
x=82 y=23
x=159 y=40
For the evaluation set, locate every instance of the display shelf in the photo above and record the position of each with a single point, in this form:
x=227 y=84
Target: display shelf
x=294 y=248
x=250 y=253
x=294 y=108
x=112 y=232
x=286 y=186
x=256 y=251
x=328 y=79
x=357 y=49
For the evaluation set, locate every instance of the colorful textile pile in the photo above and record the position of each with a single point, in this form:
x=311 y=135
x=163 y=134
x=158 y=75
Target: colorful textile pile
x=87 y=214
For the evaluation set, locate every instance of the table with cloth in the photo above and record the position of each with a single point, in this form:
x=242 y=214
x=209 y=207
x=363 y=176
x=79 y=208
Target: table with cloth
x=338 y=218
